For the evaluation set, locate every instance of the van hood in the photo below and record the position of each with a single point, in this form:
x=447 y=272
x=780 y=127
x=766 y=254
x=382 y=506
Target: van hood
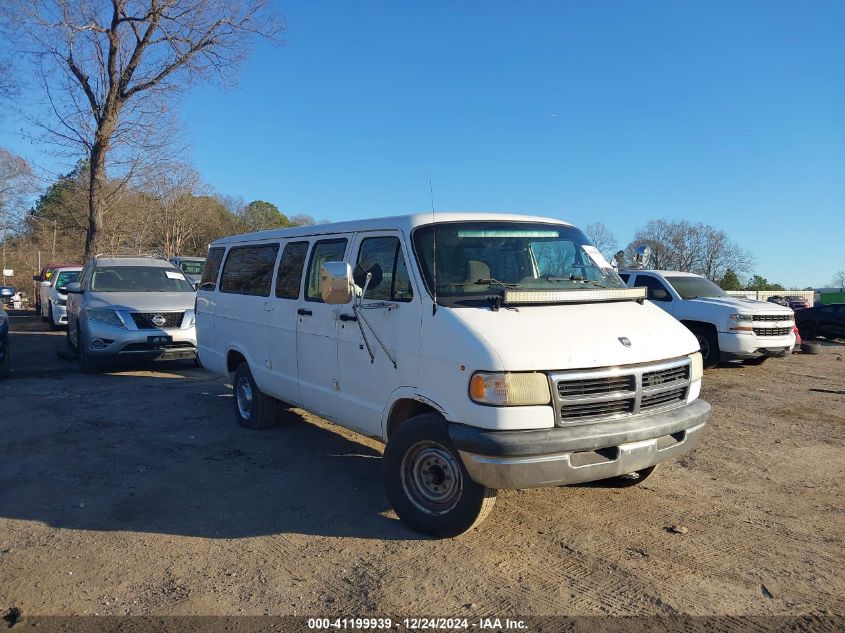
x=142 y=301
x=740 y=304
x=580 y=336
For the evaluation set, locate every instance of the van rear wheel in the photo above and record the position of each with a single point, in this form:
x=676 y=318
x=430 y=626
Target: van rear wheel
x=427 y=483
x=253 y=409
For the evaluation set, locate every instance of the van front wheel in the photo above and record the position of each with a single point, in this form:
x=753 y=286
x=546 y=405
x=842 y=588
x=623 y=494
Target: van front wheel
x=426 y=482
x=253 y=409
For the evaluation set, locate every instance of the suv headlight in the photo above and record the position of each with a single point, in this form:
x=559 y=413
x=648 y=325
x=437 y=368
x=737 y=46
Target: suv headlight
x=505 y=389
x=60 y=302
x=105 y=316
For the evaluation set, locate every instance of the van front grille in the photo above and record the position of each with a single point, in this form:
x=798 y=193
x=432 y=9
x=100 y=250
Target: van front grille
x=593 y=395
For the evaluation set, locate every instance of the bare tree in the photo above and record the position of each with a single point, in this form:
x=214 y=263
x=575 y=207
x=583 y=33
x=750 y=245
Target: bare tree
x=17 y=182
x=602 y=238
x=690 y=247
x=110 y=68
x=839 y=279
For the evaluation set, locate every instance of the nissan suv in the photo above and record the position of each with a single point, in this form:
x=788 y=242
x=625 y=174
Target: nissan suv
x=130 y=308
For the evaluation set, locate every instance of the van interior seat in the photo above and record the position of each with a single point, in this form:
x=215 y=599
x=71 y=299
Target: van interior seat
x=477 y=270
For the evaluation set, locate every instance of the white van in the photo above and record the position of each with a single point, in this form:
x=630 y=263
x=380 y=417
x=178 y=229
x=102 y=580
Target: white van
x=487 y=351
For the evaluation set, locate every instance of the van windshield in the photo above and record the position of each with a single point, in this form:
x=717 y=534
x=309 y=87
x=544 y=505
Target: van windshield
x=139 y=279
x=478 y=259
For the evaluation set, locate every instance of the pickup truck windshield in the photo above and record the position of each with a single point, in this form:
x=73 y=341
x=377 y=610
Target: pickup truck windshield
x=694 y=287
x=139 y=279
x=478 y=259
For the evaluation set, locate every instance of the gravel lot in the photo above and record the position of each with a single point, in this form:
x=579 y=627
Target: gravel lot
x=135 y=492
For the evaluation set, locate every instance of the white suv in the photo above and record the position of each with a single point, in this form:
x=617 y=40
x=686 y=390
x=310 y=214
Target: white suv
x=727 y=328
x=53 y=301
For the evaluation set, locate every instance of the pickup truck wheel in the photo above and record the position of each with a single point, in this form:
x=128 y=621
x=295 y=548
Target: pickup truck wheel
x=253 y=409
x=808 y=331
x=427 y=483
x=631 y=479
x=709 y=345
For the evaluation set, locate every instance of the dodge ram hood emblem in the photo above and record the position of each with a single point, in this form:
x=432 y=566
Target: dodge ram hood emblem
x=625 y=341
x=158 y=320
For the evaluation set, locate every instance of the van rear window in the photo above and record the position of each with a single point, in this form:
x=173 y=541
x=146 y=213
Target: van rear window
x=249 y=270
x=290 y=270
x=212 y=267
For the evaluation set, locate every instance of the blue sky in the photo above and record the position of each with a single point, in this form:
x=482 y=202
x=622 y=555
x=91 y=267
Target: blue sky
x=731 y=113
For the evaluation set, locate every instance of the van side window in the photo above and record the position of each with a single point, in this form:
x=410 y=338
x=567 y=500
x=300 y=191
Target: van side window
x=249 y=270
x=290 y=270
x=383 y=257
x=324 y=251
x=656 y=291
x=212 y=267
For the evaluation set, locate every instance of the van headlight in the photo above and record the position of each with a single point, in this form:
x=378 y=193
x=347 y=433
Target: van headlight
x=109 y=317
x=696 y=369
x=506 y=389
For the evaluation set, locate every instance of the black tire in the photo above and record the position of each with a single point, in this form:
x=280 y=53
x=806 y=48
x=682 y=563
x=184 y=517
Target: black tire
x=808 y=330
x=427 y=483
x=631 y=479
x=6 y=363
x=53 y=325
x=709 y=345
x=86 y=364
x=253 y=409
x=809 y=348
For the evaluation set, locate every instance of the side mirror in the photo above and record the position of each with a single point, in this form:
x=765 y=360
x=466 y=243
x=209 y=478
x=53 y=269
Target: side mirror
x=45 y=284
x=337 y=286
x=74 y=288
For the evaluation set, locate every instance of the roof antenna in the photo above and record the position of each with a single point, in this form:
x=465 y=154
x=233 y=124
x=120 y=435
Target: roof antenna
x=433 y=245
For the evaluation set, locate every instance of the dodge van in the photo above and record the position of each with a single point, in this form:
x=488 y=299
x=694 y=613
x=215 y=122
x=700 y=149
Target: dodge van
x=487 y=352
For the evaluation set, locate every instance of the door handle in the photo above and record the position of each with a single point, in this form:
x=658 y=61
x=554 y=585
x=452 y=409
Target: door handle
x=348 y=317
x=303 y=312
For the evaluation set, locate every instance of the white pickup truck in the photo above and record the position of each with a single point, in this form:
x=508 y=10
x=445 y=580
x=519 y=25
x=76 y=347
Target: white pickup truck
x=727 y=328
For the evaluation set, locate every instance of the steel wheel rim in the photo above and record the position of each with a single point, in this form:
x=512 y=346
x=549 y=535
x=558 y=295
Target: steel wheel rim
x=243 y=397
x=431 y=477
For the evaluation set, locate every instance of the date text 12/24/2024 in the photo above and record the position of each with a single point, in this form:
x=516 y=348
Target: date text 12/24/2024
x=418 y=624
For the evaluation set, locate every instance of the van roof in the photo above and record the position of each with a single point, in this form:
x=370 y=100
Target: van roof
x=403 y=223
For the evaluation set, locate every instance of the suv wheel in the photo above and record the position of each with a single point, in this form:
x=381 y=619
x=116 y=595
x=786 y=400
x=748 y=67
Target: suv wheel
x=86 y=364
x=427 y=483
x=253 y=409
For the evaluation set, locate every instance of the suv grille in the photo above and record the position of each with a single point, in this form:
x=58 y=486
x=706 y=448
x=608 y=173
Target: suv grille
x=144 y=320
x=606 y=394
x=772 y=331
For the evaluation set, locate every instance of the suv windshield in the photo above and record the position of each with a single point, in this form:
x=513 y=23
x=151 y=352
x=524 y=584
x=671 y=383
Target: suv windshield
x=694 y=287
x=479 y=259
x=192 y=268
x=139 y=279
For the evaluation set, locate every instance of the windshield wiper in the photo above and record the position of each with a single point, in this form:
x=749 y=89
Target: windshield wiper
x=578 y=279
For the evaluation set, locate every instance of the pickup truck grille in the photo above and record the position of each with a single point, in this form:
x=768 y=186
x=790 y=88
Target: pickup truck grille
x=607 y=394
x=772 y=317
x=144 y=320
x=772 y=331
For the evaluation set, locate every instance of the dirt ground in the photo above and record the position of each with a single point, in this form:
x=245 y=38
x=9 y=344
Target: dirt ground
x=135 y=492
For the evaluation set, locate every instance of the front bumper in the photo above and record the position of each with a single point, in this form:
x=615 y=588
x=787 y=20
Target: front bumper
x=129 y=344
x=59 y=314
x=575 y=454
x=741 y=346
